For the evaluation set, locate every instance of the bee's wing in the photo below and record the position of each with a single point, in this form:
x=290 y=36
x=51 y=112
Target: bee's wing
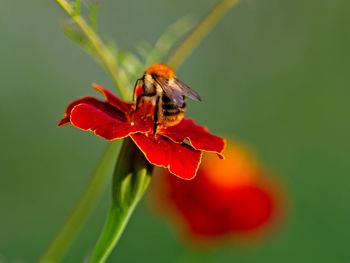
x=187 y=91
x=176 y=90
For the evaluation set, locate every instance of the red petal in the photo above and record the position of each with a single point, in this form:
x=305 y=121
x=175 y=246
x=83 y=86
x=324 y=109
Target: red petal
x=183 y=196
x=112 y=99
x=252 y=207
x=94 y=102
x=180 y=159
x=103 y=123
x=202 y=224
x=198 y=136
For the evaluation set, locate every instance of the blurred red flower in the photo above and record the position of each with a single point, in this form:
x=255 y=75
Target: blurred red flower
x=227 y=198
x=178 y=148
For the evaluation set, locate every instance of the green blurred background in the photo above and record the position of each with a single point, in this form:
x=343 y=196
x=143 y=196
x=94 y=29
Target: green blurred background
x=273 y=74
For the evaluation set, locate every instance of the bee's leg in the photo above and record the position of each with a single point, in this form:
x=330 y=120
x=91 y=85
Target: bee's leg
x=156 y=117
x=138 y=100
x=155 y=129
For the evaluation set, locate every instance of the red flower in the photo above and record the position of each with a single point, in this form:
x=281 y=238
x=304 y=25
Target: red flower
x=226 y=198
x=178 y=148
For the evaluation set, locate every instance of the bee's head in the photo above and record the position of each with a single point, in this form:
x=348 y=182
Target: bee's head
x=160 y=71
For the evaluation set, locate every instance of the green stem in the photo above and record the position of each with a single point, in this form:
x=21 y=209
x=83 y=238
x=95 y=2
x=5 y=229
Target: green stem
x=132 y=176
x=83 y=209
x=199 y=32
x=105 y=56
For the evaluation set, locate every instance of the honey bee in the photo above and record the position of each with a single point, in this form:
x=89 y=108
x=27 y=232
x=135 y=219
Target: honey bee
x=160 y=87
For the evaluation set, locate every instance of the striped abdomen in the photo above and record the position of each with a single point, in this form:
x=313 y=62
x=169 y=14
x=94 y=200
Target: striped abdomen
x=169 y=113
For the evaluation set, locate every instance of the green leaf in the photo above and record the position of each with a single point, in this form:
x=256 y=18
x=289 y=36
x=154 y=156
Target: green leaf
x=93 y=10
x=74 y=33
x=131 y=66
x=77 y=7
x=132 y=176
x=168 y=39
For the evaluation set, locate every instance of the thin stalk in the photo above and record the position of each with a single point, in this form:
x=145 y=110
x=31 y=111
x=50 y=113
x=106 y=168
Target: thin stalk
x=83 y=209
x=199 y=32
x=105 y=56
x=131 y=178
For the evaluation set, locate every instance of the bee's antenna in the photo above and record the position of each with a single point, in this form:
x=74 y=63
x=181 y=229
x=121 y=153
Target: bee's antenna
x=136 y=83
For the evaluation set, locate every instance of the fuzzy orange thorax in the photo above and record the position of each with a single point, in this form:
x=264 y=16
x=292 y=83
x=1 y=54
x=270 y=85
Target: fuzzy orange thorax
x=161 y=70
